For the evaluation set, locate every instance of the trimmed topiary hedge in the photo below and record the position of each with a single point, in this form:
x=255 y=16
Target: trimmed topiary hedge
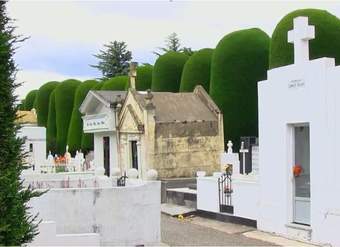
x=42 y=101
x=196 y=71
x=98 y=86
x=51 y=129
x=75 y=131
x=64 y=100
x=30 y=99
x=87 y=138
x=118 y=83
x=144 y=77
x=325 y=44
x=239 y=61
x=167 y=72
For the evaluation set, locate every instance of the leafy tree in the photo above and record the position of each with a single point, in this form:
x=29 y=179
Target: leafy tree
x=17 y=225
x=173 y=43
x=113 y=60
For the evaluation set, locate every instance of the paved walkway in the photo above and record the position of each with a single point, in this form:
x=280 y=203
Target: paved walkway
x=198 y=231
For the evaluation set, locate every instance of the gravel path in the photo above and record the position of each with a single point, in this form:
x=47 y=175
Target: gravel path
x=183 y=232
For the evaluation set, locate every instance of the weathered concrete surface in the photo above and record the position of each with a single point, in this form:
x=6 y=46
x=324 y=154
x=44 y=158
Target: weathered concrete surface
x=184 y=233
x=172 y=210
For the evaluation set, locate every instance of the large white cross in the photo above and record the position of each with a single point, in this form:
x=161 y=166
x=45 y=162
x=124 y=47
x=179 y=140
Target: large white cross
x=300 y=36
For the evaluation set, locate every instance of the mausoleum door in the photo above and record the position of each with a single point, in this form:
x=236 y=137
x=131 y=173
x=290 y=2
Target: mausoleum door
x=134 y=154
x=106 y=148
x=301 y=175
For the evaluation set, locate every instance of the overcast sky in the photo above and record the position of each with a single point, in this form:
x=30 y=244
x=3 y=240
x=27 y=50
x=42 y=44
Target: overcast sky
x=64 y=35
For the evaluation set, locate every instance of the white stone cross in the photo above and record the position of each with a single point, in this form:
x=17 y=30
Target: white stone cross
x=243 y=151
x=230 y=147
x=300 y=36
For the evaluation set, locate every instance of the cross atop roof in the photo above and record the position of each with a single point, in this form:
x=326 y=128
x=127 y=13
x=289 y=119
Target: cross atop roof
x=300 y=36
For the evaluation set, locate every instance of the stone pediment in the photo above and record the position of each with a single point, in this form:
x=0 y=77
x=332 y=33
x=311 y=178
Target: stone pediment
x=130 y=122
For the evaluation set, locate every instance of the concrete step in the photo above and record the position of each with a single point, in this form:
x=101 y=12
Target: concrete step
x=182 y=197
x=174 y=210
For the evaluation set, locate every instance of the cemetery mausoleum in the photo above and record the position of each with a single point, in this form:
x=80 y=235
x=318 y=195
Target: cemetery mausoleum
x=176 y=134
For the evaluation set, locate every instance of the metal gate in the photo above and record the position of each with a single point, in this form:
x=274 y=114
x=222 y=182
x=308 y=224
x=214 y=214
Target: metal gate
x=225 y=191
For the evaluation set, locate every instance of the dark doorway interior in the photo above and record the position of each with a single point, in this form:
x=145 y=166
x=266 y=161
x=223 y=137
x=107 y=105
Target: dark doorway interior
x=106 y=145
x=134 y=154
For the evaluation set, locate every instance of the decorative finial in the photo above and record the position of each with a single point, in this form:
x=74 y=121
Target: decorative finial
x=133 y=74
x=148 y=97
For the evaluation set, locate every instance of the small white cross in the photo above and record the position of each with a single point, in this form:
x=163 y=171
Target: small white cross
x=243 y=151
x=300 y=36
x=230 y=147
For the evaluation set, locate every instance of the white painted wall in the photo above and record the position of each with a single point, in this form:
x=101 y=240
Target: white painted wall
x=245 y=197
x=315 y=102
x=48 y=237
x=207 y=194
x=37 y=136
x=99 y=149
x=121 y=215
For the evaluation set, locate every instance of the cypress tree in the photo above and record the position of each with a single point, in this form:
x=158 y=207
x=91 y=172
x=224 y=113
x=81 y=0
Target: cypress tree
x=118 y=83
x=239 y=61
x=64 y=100
x=87 y=138
x=43 y=99
x=167 y=72
x=144 y=77
x=30 y=99
x=16 y=223
x=75 y=131
x=196 y=71
x=51 y=130
x=325 y=44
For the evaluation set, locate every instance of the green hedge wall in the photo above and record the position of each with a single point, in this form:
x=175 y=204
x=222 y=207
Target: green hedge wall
x=42 y=101
x=75 y=131
x=117 y=83
x=144 y=77
x=98 y=86
x=87 y=138
x=51 y=129
x=167 y=72
x=325 y=44
x=239 y=61
x=64 y=100
x=196 y=71
x=30 y=99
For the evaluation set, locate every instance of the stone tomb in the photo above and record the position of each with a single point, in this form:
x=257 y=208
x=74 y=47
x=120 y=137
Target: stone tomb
x=299 y=130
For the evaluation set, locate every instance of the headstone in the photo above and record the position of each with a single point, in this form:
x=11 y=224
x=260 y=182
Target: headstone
x=230 y=158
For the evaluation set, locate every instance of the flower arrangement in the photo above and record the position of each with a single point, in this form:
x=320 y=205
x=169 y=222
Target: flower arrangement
x=297 y=170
